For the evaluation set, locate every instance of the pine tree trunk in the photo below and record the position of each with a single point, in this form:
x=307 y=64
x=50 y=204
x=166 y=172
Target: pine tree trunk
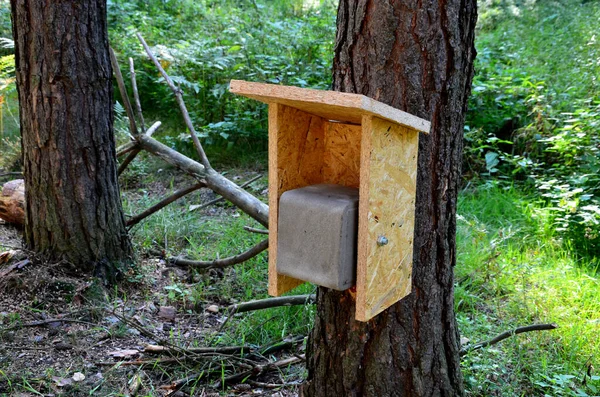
x=416 y=56
x=73 y=207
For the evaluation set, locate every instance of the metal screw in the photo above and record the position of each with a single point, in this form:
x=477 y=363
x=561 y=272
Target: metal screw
x=382 y=240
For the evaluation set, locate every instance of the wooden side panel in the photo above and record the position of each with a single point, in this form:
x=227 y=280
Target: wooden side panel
x=296 y=145
x=387 y=209
x=342 y=154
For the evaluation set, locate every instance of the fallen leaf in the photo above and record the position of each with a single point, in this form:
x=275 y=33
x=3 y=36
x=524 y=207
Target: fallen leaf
x=78 y=376
x=193 y=207
x=212 y=309
x=124 y=353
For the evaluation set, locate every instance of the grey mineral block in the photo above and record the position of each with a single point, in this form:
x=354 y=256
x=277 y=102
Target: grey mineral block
x=317 y=235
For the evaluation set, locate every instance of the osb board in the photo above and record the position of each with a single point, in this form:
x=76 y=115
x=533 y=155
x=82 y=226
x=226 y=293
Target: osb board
x=296 y=144
x=330 y=105
x=342 y=154
x=386 y=208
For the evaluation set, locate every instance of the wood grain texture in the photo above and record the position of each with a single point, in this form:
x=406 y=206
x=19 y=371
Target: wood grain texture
x=295 y=148
x=387 y=208
x=342 y=154
x=329 y=105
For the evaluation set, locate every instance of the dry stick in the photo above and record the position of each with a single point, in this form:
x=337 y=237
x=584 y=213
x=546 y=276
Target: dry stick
x=211 y=202
x=50 y=321
x=136 y=150
x=273 y=302
x=163 y=203
x=505 y=335
x=220 y=263
x=254 y=230
x=214 y=180
x=123 y=166
x=121 y=85
x=136 y=96
x=258 y=370
x=180 y=102
x=155 y=349
x=287 y=344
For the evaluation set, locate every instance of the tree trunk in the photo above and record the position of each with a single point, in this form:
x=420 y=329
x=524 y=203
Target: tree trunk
x=73 y=207
x=416 y=56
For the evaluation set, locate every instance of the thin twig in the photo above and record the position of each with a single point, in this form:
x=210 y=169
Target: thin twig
x=155 y=349
x=136 y=96
x=218 y=199
x=225 y=262
x=258 y=370
x=255 y=230
x=180 y=102
x=123 y=91
x=50 y=321
x=505 y=335
x=163 y=203
x=273 y=302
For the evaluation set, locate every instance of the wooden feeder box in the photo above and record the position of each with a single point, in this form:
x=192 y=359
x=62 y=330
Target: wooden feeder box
x=319 y=139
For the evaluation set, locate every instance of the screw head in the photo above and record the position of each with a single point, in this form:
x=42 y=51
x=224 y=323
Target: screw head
x=382 y=240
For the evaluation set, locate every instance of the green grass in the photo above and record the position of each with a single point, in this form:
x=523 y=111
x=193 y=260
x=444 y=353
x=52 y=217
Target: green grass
x=200 y=236
x=511 y=272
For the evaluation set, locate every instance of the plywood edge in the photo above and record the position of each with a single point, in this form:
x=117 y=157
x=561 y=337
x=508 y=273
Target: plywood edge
x=278 y=283
x=392 y=114
x=363 y=221
x=332 y=101
x=271 y=93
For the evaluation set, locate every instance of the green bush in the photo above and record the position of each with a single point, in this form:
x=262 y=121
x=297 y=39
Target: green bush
x=536 y=72
x=204 y=44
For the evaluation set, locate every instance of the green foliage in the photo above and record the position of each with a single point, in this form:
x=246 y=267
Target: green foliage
x=204 y=44
x=512 y=271
x=534 y=109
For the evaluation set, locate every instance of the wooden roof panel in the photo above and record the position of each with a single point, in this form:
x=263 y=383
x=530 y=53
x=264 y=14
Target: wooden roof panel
x=331 y=105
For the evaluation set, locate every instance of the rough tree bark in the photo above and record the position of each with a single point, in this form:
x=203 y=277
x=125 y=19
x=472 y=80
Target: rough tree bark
x=416 y=55
x=73 y=208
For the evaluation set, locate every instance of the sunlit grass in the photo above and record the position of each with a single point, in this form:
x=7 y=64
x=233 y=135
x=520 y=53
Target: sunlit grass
x=512 y=272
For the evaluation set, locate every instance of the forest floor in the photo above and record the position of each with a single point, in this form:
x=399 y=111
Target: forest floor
x=64 y=335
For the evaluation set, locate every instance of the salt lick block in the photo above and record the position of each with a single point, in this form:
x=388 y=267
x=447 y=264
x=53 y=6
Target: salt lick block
x=317 y=236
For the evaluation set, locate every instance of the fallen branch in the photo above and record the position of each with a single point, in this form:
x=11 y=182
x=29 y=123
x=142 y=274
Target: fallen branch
x=50 y=321
x=255 y=230
x=136 y=95
x=155 y=349
x=272 y=302
x=225 y=262
x=202 y=171
x=505 y=335
x=179 y=97
x=136 y=150
x=214 y=180
x=121 y=85
x=218 y=199
x=163 y=203
x=258 y=370
x=126 y=148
